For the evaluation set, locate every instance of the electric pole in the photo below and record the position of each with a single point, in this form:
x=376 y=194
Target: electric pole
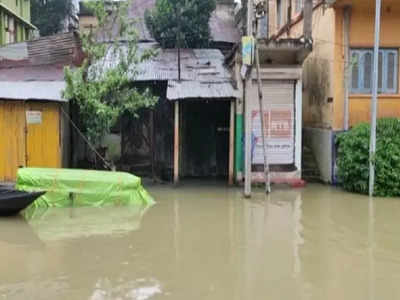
x=372 y=149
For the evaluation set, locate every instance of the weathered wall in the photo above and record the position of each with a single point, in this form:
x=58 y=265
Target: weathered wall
x=318 y=71
x=318 y=75
x=320 y=141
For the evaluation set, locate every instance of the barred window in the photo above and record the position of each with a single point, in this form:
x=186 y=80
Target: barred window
x=361 y=71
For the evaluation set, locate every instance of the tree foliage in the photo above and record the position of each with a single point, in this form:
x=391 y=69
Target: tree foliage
x=353 y=158
x=102 y=86
x=190 y=18
x=48 y=15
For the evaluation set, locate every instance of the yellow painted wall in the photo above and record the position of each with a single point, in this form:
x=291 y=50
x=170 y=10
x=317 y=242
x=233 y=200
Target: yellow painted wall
x=22 y=144
x=361 y=36
x=43 y=141
x=12 y=138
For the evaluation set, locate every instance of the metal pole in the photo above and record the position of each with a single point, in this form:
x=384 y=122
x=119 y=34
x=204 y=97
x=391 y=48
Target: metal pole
x=262 y=119
x=248 y=86
x=372 y=148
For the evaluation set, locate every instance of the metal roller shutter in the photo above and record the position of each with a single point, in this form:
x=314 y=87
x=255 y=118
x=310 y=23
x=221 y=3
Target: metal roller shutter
x=280 y=124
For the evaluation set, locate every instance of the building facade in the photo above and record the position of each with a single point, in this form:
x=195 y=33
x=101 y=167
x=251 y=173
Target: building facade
x=15 y=17
x=280 y=79
x=338 y=74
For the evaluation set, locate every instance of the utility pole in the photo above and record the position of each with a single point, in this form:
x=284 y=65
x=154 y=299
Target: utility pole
x=247 y=87
x=178 y=9
x=307 y=23
x=372 y=148
x=260 y=12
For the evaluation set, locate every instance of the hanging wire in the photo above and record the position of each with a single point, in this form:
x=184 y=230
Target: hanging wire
x=106 y=163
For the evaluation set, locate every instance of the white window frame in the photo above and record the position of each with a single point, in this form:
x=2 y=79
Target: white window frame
x=357 y=59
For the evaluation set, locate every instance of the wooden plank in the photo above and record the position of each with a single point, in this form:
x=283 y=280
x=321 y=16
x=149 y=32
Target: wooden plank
x=176 y=143
x=231 y=142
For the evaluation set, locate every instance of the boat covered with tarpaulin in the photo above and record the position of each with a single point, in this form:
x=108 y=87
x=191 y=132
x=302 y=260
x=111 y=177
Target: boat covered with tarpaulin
x=75 y=187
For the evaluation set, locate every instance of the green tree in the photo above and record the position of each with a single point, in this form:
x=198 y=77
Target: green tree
x=190 y=18
x=102 y=87
x=48 y=15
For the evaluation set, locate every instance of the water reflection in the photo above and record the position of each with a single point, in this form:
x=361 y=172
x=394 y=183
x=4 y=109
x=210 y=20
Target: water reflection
x=202 y=242
x=66 y=223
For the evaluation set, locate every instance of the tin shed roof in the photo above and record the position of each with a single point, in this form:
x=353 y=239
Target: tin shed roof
x=200 y=90
x=203 y=73
x=35 y=90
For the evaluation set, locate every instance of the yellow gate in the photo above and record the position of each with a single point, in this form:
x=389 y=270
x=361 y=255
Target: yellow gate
x=43 y=135
x=12 y=138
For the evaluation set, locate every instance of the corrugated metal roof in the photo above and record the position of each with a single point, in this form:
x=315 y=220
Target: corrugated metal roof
x=32 y=73
x=62 y=49
x=37 y=90
x=200 y=90
x=203 y=73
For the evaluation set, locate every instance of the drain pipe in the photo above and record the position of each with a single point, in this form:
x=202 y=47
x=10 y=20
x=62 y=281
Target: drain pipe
x=347 y=64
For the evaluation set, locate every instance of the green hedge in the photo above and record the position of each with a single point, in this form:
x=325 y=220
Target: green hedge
x=353 y=158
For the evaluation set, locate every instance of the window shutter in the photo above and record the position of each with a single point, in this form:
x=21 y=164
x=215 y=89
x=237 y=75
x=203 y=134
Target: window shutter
x=355 y=61
x=367 y=72
x=391 y=72
x=362 y=71
x=380 y=71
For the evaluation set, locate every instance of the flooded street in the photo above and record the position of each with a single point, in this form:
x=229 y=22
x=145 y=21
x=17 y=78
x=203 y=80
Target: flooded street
x=207 y=242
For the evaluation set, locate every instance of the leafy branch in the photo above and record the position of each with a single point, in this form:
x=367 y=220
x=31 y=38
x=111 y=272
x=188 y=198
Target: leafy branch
x=102 y=86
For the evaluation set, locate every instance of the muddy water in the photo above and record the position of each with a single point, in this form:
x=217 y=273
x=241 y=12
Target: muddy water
x=206 y=242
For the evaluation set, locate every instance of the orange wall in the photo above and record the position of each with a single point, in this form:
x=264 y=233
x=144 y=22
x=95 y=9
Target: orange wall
x=362 y=35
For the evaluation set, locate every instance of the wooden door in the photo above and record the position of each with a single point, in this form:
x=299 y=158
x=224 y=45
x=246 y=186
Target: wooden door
x=43 y=135
x=12 y=138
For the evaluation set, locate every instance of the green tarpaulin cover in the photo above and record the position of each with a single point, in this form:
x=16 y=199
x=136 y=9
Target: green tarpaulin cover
x=73 y=187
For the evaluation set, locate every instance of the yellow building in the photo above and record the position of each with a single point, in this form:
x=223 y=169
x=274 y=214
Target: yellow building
x=338 y=74
x=34 y=131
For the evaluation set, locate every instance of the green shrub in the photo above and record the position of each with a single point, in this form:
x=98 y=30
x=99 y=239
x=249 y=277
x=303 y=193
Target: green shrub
x=353 y=158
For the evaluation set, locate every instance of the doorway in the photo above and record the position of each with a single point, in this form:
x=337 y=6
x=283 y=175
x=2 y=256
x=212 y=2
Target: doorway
x=205 y=138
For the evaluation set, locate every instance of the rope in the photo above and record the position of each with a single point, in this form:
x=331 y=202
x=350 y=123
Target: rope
x=106 y=163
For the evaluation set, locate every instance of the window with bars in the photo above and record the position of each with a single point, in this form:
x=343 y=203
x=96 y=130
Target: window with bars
x=361 y=71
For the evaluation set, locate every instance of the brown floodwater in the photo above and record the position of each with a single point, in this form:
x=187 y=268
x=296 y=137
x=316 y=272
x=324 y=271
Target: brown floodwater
x=204 y=241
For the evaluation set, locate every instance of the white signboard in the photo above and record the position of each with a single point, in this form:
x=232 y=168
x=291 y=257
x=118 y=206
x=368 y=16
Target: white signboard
x=279 y=135
x=34 y=117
